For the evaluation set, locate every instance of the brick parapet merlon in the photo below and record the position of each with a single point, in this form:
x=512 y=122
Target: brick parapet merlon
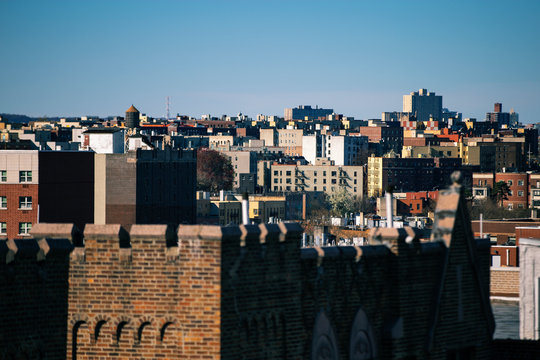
x=394 y=238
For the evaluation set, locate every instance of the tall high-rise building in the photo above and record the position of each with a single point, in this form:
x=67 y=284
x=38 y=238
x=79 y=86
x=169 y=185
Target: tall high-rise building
x=423 y=104
x=132 y=117
x=497 y=116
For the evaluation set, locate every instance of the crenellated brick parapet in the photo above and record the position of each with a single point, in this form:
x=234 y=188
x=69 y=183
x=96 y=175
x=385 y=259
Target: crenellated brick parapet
x=246 y=292
x=34 y=296
x=156 y=291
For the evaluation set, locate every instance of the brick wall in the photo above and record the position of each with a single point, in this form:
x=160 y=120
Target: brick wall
x=504 y=282
x=34 y=288
x=245 y=292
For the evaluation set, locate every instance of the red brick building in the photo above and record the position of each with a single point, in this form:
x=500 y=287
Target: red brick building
x=519 y=187
x=518 y=184
x=19 y=178
x=416 y=202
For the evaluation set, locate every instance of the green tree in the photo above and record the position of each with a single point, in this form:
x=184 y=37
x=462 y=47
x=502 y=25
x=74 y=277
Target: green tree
x=214 y=171
x=500 y=192
x=341 y=202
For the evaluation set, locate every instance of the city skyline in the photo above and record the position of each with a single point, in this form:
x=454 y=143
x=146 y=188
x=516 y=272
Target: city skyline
x=76 y=59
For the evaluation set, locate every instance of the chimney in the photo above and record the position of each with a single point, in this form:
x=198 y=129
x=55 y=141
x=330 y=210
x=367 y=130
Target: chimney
x=245 y=209
x=389 y=210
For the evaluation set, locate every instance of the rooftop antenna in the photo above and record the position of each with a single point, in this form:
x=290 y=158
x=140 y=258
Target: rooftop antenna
x=168 y=103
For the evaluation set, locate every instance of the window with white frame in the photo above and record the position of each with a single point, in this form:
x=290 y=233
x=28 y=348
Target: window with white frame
x=3 y=175
x=3 y=202
x=520 y=182
x=3 y=228
x=25 y=176
x=520 y=193
x=24 y=228
x=25 y=202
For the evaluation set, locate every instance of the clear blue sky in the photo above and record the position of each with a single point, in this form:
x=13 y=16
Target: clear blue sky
x=73 y=58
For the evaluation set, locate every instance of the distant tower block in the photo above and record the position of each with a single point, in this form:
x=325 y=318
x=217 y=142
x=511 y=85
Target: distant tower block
x=132 y=117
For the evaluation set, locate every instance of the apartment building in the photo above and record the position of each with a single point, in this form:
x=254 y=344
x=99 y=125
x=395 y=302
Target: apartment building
x=303 y=112
x=19 y=178
x=262 y=209
x=145 y=187
x=423 y=104
x=494 y=155
x=324 y=176
x=243 y=163
x=289 y=139
x=409 y=174
x=389 y=138
x=221 y=142
x=342 y=150
x=447 y=150
x=521 y=192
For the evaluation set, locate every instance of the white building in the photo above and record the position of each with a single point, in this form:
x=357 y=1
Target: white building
x=342 y=149
x=104 y=140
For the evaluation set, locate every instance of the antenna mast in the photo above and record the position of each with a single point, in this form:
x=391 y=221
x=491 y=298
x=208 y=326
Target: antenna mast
x=168 y=102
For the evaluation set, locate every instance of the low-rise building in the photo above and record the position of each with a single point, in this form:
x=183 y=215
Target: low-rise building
x=104 y=140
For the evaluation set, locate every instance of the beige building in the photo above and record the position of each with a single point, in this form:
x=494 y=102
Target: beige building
x=229 y=211
x=323 y=176
x=451 y=151
x=220 y=142
x=289 y=139
x=243 y=162
x=262 y=208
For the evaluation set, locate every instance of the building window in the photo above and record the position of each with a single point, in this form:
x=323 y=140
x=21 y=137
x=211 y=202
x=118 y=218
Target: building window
x=510 y=183
x=25 y=202
x=3 y=228
x=520 y=193
x=288 y=173
x=24 y=228
x=25 y=176
x=3 y=175
x=3 y=202
x=510 y=193
x=520 y=182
